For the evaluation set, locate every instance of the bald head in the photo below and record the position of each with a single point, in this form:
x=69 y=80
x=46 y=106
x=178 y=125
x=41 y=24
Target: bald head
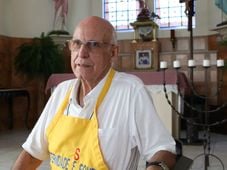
x=96 y=26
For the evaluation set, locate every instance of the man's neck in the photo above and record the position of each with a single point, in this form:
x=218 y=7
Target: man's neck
x=80 y=96
x=85 y=87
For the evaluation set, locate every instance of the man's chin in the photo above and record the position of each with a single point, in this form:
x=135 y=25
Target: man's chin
x=85 y=75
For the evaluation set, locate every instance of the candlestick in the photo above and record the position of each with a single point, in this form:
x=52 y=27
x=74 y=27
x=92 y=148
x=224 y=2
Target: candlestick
x=206 y=63
x=220 y=63
x=163 y=64
x=202 y=113
x=176 y=64
x=191 y=63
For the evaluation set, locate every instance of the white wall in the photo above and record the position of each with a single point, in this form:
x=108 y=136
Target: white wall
x=78 y=9
x=215 y=15
x=1 y=17
x=28 y=18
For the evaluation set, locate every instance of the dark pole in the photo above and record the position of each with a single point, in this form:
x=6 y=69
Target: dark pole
x=190 y=29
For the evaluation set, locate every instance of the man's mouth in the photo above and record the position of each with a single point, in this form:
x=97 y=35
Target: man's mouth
x=84 y=65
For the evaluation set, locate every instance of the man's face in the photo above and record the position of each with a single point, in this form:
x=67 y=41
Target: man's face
x=92 y=58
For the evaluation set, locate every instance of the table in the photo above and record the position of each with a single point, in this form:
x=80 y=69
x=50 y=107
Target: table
x=10 y=94
x=154 y=83
x=55 y=79
x=148 y=77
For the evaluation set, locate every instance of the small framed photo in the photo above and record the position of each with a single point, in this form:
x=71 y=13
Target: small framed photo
x=143 y=59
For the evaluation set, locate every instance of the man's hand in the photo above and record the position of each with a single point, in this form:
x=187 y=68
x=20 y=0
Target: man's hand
x=164 y=156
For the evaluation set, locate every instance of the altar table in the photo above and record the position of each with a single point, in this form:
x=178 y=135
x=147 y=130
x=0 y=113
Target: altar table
x=154 y=84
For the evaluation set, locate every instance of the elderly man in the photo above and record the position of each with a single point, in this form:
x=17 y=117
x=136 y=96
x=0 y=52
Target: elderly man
x=102 y=119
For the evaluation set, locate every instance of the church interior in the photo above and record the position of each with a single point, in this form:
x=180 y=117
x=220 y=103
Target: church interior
x=184 y=69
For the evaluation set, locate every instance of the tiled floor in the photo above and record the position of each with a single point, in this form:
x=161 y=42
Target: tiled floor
x=10 y=146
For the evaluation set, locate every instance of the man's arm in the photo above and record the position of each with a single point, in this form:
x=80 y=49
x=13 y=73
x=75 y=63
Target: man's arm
x=25 y=161
x=163 y=156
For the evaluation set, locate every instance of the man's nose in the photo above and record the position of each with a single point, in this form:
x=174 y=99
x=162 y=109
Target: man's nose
x=83 y=51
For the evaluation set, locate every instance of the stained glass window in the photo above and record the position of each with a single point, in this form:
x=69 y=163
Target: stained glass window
x=121 y=13
x=172 y=14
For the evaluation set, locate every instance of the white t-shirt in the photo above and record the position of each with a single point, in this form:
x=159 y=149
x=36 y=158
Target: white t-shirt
x=128 y=122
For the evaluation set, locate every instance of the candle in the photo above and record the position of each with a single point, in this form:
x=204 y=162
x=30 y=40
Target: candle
x=176 y=64
x=191 y=63
x=206 y=63
x=220 y=63
x=154 y=35
x=163 y=64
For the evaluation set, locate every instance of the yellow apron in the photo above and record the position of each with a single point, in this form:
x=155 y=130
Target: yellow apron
x=73 y=142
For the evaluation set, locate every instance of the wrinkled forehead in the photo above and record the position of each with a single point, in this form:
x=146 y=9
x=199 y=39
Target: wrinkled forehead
x=98 y=31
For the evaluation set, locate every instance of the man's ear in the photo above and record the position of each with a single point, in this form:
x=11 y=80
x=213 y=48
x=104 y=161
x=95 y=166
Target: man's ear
x=115 y=51
x=114 y=55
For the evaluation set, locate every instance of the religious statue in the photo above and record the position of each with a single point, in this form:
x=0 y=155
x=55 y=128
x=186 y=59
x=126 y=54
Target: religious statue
x=60 y=15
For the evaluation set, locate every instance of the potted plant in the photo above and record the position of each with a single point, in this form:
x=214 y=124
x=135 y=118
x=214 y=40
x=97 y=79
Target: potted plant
x=58 y=32
x=38 y=60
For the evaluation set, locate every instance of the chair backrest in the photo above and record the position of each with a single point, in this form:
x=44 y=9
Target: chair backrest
x=183 y=163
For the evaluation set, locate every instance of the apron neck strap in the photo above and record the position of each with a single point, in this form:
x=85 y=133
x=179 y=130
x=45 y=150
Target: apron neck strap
x=105 y=88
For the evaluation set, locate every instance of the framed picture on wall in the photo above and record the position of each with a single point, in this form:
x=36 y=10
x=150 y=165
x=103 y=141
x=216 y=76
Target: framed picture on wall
x=143 y=59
